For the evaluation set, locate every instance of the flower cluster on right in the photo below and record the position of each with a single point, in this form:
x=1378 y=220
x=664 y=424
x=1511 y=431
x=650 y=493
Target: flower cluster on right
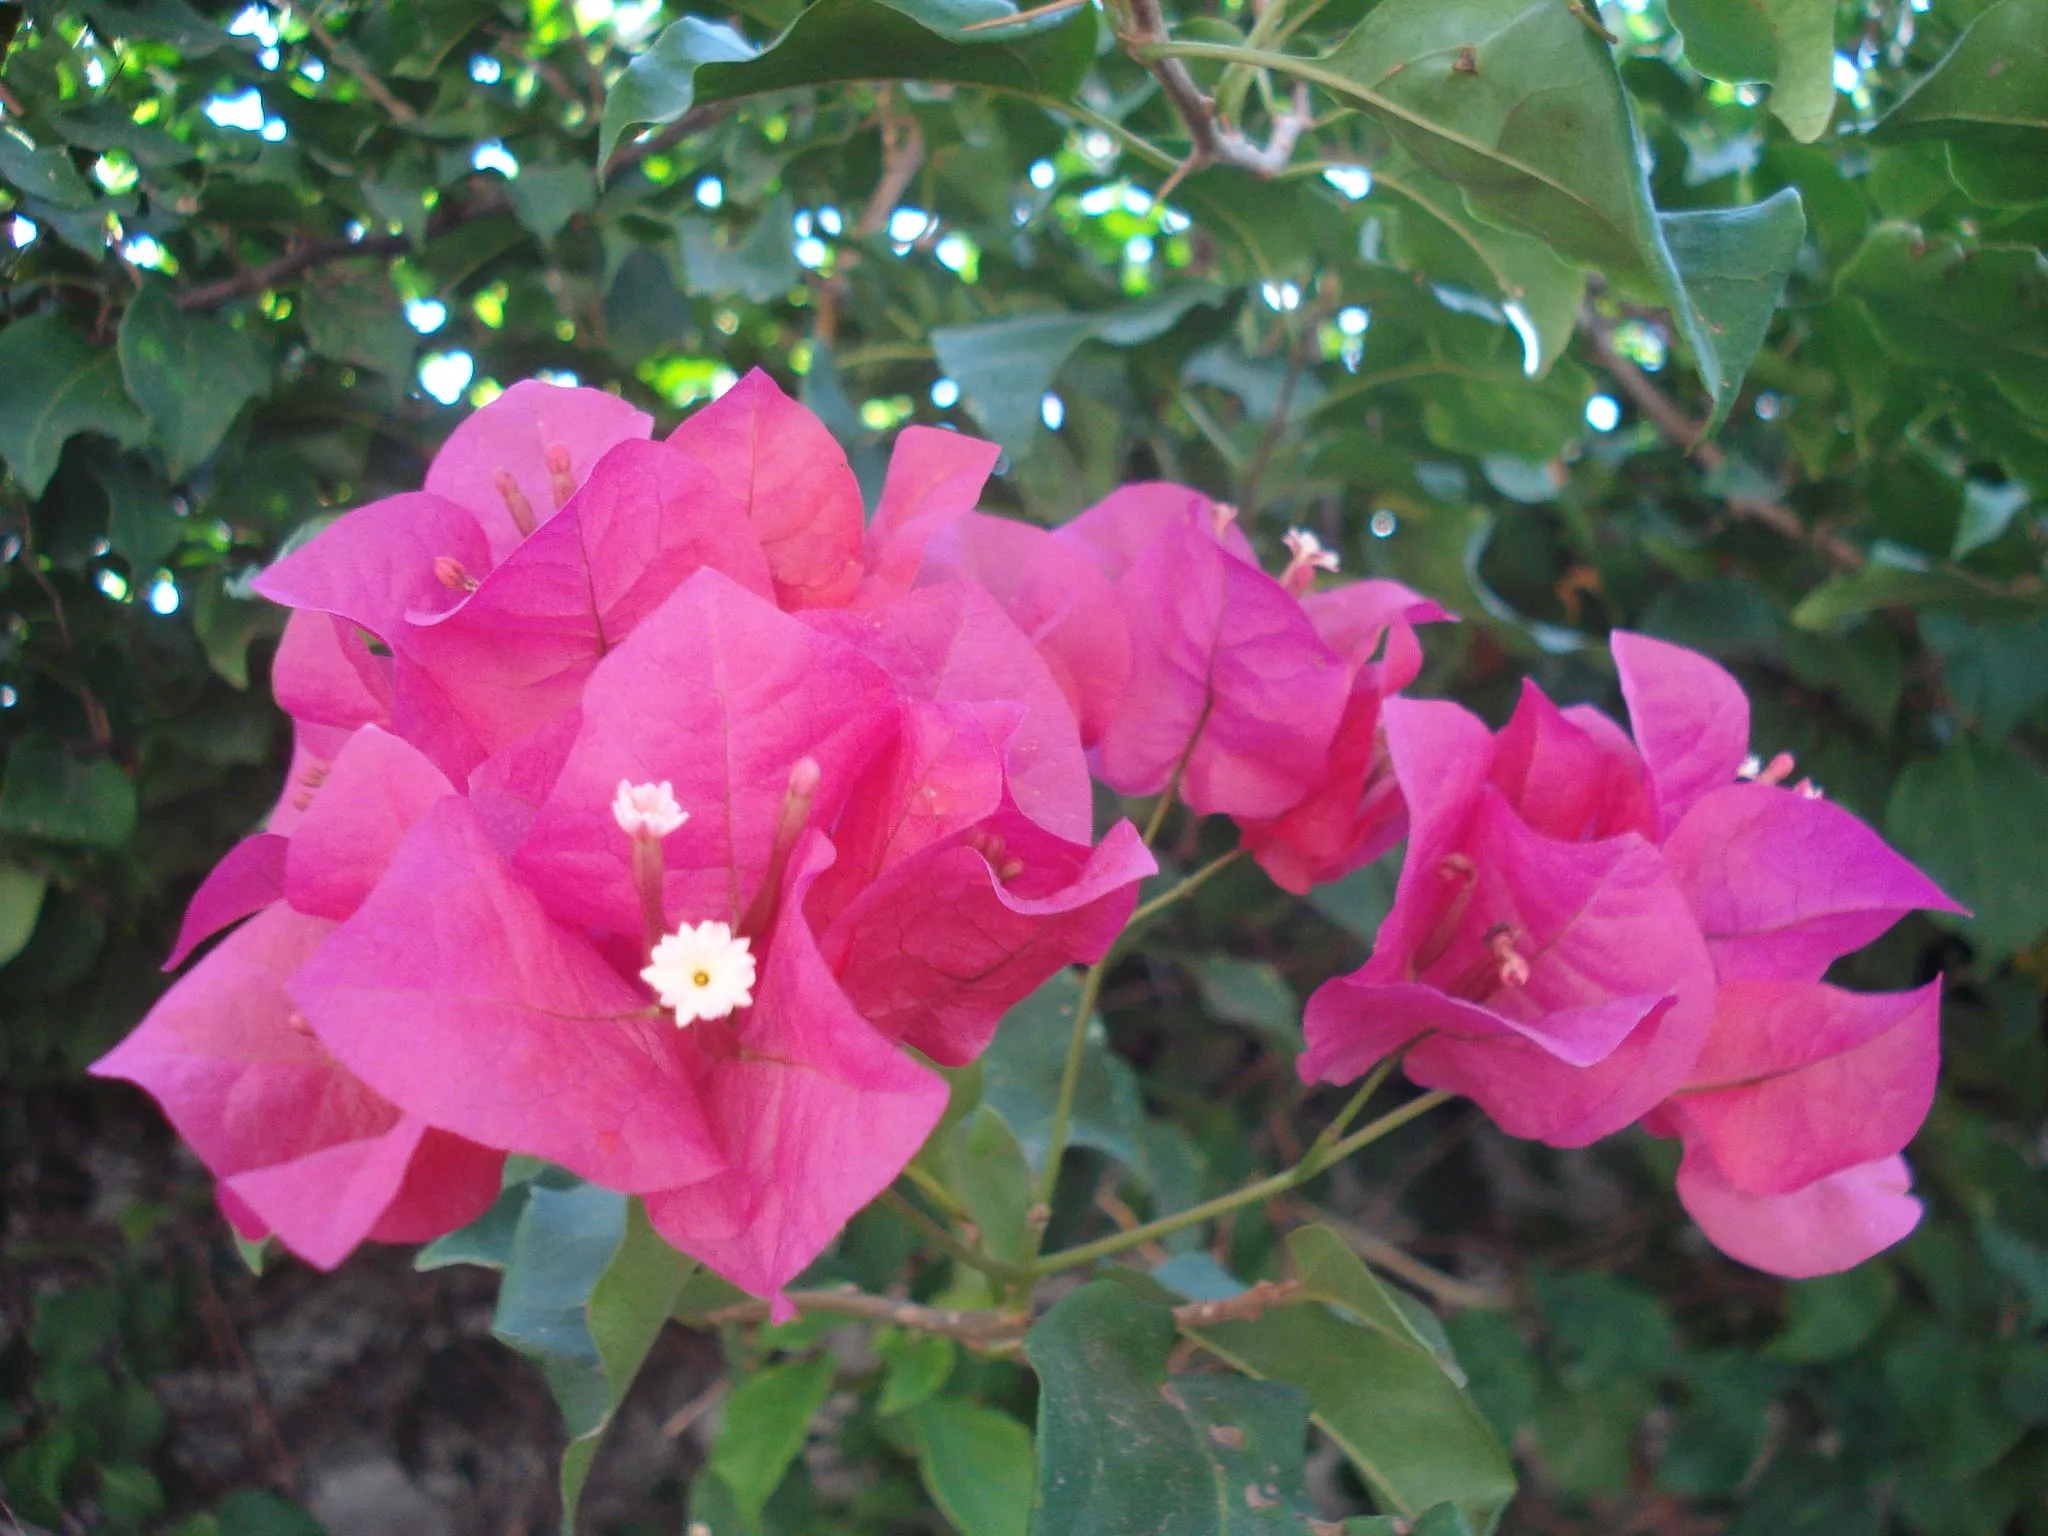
x=1591 y=930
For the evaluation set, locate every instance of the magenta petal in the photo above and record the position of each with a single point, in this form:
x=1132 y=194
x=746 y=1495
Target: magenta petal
x=454 y=995
x=934 y=477
x=314 y=748
x=1054 y=593
x=936 y=952
x=324 y=672
x=1799 y=1081
x=1784 y=885
x=378 y=787
x=512 y=435
x=719 y=694
x=1829 y=1226
x=509 y=788
x=943 y=775
x=816 y=1115
x=249 y=878
x=1441 y=753
x=791 y=476
x=376 y=565
x=1563 y=780
x=951 y=644
x=1228 y=678
x=448 y=1184
x=516 y=652
x=1691 y=720
x=275 y=1117
x=409 y=1184
x=1354 y=618
x=1118 y=530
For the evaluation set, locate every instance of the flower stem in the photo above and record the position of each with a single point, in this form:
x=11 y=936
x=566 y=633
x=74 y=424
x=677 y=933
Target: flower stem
x=1070 y=1082
x=1187 y=887
x=948 y=1244
x=1319 y=1156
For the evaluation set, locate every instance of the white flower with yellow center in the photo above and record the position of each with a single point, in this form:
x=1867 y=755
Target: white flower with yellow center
x=647 y=810
x=701 y=972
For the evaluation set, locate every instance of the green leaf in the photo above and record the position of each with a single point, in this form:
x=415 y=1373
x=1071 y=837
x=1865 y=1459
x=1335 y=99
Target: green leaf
x=1441 y=235
x=360 y=323
x=1988 y=99
x=695 y=62
x=1883 y=584
x=914 y=1367
x=1788 y=45
x=53 y=385
x=45 y=172
x=1125 y=1449
x=1735 y=262
x=1021 y=1078
x=1944 y=305
x=1376 y=1384
x=660 y=85
x=996 y=1182
x=628 y=1307
x=545 y=197
x=759 y=267
x=1830 y=1317
x=764 y=1425
x=977 y=1464
x=588 y=1284
x=50 y=792
x=1994 y=667
x=1251 y=993
x=1443 y=1520
x=1004 y=367
x=1976 y=819
x=21 y=902
x=258 y=1512
x=191 y=373
x=487 y=1241
x=143 y=525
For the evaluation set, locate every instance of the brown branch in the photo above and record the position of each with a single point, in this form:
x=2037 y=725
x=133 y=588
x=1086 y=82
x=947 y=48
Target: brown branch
x=902 y=159
x=1681 y=431
x=985 y=1330
x=318 y=253
x=626 y=156
x=351 y=61
x=1211 y=140
x=991 y=1330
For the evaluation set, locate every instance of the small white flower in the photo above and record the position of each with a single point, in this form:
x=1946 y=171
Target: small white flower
x=702 y=972
x=1306 y=551
x=648 y=810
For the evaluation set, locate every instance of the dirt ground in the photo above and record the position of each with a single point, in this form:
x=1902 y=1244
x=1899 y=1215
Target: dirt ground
x=375 y=1396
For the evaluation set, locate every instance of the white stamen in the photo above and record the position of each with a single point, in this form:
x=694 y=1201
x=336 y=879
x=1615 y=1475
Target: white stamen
x=648 y=810
x=701 y=972
x=1306 y=556
x=1307 y=549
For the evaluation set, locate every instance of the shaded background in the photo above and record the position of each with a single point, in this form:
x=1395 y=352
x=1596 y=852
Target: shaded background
x=344 y=225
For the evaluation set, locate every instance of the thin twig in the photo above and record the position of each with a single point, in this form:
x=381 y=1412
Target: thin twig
x=1211 y=141
x=361 y=72
x=1396 y=1261
x=1681 y=431
x=1186 y=887
x=902 y=159
x=992 y=1329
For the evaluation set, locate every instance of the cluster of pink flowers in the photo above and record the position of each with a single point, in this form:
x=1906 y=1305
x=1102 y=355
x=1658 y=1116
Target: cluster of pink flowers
x=648 y=800
x=1592 y=932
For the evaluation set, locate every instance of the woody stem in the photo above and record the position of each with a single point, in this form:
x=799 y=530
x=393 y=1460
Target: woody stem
x=1314 y=1161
